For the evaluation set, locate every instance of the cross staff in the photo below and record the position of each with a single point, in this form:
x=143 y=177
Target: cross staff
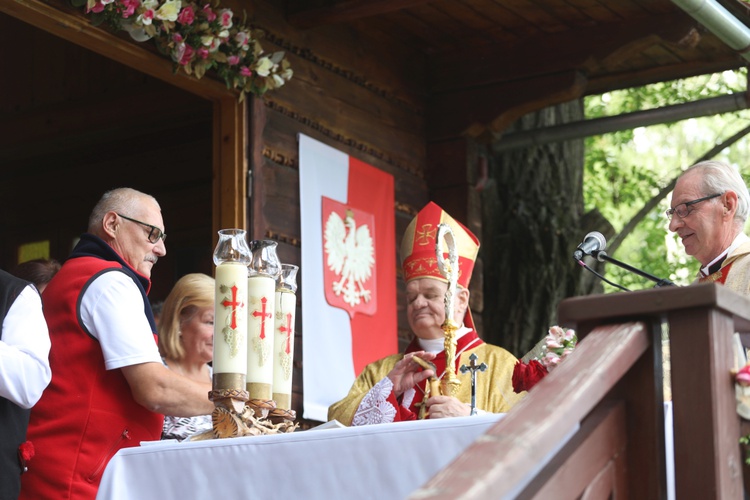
x=474 y=368
x=449 y=269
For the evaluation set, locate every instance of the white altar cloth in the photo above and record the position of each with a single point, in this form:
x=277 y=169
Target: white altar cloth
x=376 y=461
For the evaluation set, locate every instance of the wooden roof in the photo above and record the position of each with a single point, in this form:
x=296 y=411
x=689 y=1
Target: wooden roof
x=592 y=45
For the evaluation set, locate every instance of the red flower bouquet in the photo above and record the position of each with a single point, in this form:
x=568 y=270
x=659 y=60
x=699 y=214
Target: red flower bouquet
x=558 y=344
x=525 y=376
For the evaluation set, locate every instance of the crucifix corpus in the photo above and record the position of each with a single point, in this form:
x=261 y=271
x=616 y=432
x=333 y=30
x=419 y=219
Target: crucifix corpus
x=474 y=368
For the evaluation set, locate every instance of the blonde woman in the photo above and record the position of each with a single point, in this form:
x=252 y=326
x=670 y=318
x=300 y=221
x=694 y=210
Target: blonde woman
x=186 y=333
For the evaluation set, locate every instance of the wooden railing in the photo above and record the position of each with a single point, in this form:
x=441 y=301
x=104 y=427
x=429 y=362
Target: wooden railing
x=594 y=428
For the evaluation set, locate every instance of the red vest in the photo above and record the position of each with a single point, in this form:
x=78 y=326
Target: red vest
x=87 y=413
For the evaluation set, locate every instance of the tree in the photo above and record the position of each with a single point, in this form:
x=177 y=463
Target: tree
x=630 y=174
x=536 y=210
x=532 y=209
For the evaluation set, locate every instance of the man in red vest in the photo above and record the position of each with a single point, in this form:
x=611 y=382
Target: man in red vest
x=109 y=388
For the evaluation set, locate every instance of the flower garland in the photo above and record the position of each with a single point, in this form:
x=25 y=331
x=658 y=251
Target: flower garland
x=199 y=37
x=558 y=344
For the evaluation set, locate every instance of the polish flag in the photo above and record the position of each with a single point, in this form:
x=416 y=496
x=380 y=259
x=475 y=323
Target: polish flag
x=348 y=271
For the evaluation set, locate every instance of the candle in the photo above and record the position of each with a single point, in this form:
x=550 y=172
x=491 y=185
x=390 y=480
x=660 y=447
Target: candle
x=286 y=304
x=231 y=257
x=230 y=319
x=260 y=312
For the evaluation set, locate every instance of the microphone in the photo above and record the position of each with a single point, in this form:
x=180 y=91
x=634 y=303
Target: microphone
x=593 y=242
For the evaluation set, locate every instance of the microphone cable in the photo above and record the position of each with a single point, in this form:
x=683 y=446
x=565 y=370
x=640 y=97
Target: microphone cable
x=585 y=266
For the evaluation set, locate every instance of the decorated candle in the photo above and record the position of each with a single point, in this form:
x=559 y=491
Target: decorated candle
x=283 y=351
x=261 y=299
x=231 y=257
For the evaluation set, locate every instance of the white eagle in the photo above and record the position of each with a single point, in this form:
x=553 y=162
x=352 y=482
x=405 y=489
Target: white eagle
x=350 y=255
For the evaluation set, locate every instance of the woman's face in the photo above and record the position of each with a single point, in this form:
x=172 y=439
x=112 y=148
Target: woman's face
x=197 y=334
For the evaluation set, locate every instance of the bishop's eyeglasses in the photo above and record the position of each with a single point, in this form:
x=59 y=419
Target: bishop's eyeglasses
x=683 y=209
x=154 y=235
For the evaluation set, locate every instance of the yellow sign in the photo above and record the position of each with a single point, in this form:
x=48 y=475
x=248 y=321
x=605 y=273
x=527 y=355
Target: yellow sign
x=33 y=250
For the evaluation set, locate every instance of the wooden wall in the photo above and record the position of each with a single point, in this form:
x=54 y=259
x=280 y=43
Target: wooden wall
x=87 y=124
x=360 y=96
x=74 y=124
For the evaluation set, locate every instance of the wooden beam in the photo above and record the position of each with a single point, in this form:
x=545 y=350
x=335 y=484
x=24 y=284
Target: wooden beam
x=257 y=165
x=230 y=165
x=616 y=80
x=494 y=107
x=551 y=53
x=345 y=12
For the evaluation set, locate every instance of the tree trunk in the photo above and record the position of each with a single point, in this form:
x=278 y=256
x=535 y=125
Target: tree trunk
x=532 y=222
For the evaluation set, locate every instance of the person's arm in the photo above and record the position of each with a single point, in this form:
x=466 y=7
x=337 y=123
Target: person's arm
x=374 y=396
x=163 y=391
x=112 y=312
x=447 y=406
x=24 y=351
x=408 y=373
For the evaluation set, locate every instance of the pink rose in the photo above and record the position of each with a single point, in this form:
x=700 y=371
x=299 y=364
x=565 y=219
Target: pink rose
x=743 y=376
x=187 y=56
x=233 y=60
x=128 y=7
x=187 y=16
x=245 y=71
x=203 y=53
x=98 y=7
x=225 y=18
x=210 y=16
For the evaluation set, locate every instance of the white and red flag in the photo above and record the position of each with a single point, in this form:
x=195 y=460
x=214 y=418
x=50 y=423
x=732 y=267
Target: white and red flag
x=348 y=271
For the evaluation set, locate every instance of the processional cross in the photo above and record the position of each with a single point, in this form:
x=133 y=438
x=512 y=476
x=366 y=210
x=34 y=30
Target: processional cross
x=474 y=368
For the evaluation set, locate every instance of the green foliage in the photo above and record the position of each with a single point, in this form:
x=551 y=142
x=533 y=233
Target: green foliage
x=625 y=170
x=745 y=441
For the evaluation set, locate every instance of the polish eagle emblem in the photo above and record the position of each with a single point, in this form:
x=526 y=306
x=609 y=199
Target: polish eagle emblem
x=350 y=255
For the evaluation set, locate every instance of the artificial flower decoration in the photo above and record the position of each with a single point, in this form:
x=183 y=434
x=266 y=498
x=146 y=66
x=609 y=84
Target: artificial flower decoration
x=198 y=36
x=25 y=453
x=743 y=376
x=558 y=344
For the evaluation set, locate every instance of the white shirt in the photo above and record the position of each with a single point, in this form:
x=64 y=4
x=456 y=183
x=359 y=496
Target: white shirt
x=112 y=312
x=24 y=350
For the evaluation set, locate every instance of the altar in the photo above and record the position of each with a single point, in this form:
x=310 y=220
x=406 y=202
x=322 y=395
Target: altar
x=377 y=461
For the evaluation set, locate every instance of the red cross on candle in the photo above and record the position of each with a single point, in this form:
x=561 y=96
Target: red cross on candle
x=262 y=314
x=287 y=330
x=234 y=304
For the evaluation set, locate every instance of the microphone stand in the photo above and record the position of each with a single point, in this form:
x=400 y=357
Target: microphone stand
x=602 y=256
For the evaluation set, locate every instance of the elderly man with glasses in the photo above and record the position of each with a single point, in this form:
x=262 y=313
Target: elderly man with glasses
x=709 y=208
x=109 y=387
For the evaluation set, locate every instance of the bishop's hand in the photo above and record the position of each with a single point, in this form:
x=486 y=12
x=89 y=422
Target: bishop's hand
x=447 y=406
x=407 y=373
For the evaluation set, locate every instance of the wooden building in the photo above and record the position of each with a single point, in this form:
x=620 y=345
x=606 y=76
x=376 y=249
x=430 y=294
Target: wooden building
x=417 y=88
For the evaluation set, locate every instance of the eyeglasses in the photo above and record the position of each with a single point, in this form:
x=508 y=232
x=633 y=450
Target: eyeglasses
x=154 y=235
x=683 y=209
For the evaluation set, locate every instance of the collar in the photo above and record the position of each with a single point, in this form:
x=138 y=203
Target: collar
x=715 y=264
x=91 y=245
x=438 y=345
